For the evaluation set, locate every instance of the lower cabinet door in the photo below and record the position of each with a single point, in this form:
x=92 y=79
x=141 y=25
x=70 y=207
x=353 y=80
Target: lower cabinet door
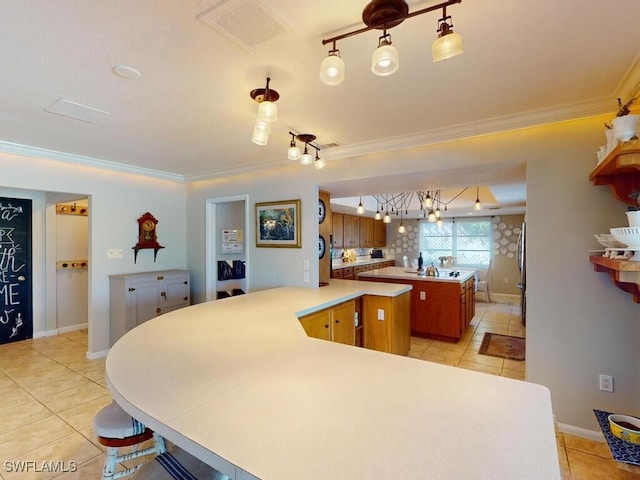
x=317 y=325
x=342 y=322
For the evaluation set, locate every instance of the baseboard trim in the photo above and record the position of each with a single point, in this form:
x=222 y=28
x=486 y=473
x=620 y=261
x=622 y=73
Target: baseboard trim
x=57 y=331
x=499 y=298
x=95 y=355
x=581 y=432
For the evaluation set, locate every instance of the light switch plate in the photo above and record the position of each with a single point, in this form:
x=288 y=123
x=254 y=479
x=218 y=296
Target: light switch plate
x=114 y=253
x=380 y=314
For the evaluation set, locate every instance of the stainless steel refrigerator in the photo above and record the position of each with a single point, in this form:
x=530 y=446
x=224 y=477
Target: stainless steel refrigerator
x=522 y=266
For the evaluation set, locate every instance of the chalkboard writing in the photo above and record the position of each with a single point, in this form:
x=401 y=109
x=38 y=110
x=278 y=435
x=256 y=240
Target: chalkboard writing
x=16 y=322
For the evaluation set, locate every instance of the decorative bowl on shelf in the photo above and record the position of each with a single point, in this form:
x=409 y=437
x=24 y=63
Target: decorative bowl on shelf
x=625 y=428
x=608 y=241
x=628 y=235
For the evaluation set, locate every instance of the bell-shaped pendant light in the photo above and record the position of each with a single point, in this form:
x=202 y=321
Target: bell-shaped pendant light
x=385 y=60
x=293 y=153
x=448 y=44
x=306 y=158
x=332 y=68
x=360 y=209
x=477 y=206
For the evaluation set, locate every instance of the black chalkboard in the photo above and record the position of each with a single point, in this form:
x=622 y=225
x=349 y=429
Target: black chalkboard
x=16 y=321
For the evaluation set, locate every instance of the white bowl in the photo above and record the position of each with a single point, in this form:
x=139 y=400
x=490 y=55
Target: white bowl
x=608 y=241
x=628 y=235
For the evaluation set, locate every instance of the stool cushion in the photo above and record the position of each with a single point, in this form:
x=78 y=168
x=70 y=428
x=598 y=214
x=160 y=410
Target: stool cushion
x=177 y=464
x=113 y=422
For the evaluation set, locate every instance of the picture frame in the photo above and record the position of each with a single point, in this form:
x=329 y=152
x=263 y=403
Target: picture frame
x=278 y=224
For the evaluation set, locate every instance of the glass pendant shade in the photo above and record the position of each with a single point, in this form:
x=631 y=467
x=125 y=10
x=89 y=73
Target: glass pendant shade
x=332 y=69
x=387 y=218
x=385 y=60
x=360 y=209
x=260 y=137
x=319 y=164
x=402 y=229
x=447 y=46
x=438 y=214
x=431 y=217
x=439 y=223
x=262 y=126
x=306 y=159
x=293 y=153
x=268 y=111
x=477 y=206
x=378 y=216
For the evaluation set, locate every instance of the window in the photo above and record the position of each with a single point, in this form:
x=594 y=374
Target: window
x=469 y=240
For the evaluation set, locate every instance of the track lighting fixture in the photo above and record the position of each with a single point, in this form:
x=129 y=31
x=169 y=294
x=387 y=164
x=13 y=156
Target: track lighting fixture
x=267 y=113
x=293 y=153
x=384 y=15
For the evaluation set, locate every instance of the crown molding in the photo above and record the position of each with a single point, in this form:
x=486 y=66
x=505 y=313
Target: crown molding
x=630 y=85
x=506 y=123
x=37 y=152
x=573 y=111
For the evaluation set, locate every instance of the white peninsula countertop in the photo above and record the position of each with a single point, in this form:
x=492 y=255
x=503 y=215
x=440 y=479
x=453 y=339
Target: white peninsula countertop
x=237 y=383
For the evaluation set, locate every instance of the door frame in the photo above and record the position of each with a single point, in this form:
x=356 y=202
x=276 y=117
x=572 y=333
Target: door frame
x=211 y=252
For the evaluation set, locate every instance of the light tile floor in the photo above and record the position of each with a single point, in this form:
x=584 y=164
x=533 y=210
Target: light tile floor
x=50 y=392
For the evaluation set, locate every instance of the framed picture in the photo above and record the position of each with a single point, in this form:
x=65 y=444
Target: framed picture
x=278 y=224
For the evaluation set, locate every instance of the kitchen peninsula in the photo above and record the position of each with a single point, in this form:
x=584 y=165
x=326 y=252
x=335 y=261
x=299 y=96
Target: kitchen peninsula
x=238 y=384
x=441 y=306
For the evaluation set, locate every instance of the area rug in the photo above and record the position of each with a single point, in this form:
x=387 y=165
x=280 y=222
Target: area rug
x=503 y=346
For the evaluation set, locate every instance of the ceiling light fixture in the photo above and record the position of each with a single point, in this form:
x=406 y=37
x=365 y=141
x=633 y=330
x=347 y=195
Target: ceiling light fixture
x=477 y=206
x=360 y=209
x=384 y=15
x=448 y=43
x=293 y=153
x=267 y=113
x=332 y=68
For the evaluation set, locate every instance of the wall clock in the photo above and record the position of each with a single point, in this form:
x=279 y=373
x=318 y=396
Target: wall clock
x=322 y=211
x=322 y=246
x=147 y=236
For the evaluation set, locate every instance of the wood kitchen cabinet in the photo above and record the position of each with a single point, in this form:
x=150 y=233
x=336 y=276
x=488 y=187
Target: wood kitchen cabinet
x=379 y=234
x=337 y=220
x=335 y=324
x=138 y=297
x=351 y=231
x=366 y=232
x=387 y=323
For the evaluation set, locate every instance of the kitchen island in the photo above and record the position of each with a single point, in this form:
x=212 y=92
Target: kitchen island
x=441 y=307
x=238 y=384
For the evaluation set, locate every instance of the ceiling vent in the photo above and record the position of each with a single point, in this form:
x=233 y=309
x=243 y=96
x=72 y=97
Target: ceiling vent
x=77 y=111
x=248 y=23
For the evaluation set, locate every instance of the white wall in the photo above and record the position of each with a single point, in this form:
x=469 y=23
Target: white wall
x=578 y=324
x=116 y=200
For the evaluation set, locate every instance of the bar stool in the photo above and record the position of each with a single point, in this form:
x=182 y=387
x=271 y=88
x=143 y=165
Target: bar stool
x=115 y=429
x=176 y=464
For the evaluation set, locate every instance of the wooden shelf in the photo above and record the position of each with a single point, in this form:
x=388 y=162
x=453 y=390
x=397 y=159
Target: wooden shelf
x=623 y=273
x=620 y=170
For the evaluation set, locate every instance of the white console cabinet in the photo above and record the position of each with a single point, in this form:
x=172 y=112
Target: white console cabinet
x=138 y=297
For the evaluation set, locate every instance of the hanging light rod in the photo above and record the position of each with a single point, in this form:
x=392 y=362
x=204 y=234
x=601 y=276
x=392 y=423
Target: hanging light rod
x=384 y=15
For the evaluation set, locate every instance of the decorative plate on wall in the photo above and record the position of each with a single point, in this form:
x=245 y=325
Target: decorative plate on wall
x=322 y=246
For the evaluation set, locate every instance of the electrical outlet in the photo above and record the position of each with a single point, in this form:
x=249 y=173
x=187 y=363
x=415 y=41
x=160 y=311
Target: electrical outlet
x=606 y=383
x=381 y=314
x=305 y=277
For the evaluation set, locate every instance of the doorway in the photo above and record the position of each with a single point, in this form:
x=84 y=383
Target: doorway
x=227 y=255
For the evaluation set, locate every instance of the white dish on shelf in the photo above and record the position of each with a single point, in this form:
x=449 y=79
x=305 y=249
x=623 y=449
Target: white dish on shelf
x=628 y=235
x=607 y=240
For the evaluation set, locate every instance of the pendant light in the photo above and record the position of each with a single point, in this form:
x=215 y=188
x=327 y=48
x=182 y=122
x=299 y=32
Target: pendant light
x=267 y=113
x=387 y=217
x=448 y=44
x=319 y=163
x=306 y=159
x=360 y=209
x=294 y=152
x=385 y=60
x=332 y=68
x=378 y=215
x=477 y=206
